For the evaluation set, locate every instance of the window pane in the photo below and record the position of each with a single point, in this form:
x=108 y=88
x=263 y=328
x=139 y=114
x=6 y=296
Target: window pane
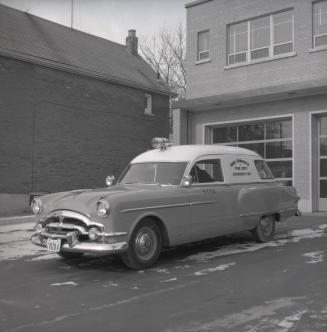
x=323 y=125
x=204 y=55
x=260 y=32
x=283 y=27
x=240 y=57
x=323 y=146
x=256 y=147
x=262 y=53
x=241 y=42
x=284 y=48
x=323 y=167
x=279 y=129
x=321 y=40
x=281 y=169
x=203 y=41
x=224 y=135
x=251 y=132
x=279 y=150
x=320 y=17
x=323 y=188
x=237 y=38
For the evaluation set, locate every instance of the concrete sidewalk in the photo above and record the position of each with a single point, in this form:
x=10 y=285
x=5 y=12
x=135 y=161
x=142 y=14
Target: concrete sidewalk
x=16 y=220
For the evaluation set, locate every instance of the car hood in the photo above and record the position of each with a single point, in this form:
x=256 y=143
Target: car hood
x=84 y=201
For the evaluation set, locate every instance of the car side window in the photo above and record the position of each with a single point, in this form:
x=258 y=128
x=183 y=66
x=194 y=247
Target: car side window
x=206 y=171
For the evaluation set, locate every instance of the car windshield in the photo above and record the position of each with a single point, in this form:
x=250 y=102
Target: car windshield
x=165 y=173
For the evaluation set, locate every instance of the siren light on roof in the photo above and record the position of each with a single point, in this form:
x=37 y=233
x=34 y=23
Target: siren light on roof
x=160 y=143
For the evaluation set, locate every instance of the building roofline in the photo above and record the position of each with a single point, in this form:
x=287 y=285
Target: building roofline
x=254 y=96
x=80 y=71
x=196 y=3
x=61 y=25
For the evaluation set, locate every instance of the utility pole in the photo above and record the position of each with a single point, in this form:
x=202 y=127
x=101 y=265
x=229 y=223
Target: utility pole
x=72 y=14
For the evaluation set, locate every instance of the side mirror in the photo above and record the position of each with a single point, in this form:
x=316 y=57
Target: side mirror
x=186 y=181
x=110 y=180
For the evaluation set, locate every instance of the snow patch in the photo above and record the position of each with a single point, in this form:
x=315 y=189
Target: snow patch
x=169 y=280
x=213 y=269
x=280 y=240
x=110 y=284
x=288 y=322
x=314 y=257
x=68 y=283
x=160 y=270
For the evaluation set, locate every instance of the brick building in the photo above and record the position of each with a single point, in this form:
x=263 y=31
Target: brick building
x=74 y=108
x=257 y=78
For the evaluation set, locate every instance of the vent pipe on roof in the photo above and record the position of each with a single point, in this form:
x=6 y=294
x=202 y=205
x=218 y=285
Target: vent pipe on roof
x=132 y=42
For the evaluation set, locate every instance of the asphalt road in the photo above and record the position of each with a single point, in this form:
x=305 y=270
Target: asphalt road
x=226 y=284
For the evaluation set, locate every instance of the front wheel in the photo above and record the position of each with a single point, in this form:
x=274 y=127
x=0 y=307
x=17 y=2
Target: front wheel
x=265 y=229
x=144 y=246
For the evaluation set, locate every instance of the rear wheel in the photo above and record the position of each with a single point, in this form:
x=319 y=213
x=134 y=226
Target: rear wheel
x=144 y=246
x=69 y=255
x=265 y=229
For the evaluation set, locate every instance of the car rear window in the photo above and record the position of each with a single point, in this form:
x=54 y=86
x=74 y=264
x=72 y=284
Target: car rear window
x=263 y=169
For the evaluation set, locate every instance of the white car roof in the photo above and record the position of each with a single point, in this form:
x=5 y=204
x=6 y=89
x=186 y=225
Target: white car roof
x=189 y=153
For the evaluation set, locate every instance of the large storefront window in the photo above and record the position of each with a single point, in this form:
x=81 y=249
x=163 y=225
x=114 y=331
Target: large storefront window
x=271 y=139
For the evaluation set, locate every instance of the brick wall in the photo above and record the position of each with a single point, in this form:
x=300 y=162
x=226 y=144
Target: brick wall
x=212 y=78
x=60 y=131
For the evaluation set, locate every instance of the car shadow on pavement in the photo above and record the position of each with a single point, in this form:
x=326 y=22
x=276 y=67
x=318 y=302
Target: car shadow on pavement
x=167 y=257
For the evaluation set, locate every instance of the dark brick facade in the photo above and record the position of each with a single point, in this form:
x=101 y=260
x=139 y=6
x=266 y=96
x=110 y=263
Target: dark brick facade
x=62 y=131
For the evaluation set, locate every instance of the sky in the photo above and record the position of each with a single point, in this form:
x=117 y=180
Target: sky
x=110 y=19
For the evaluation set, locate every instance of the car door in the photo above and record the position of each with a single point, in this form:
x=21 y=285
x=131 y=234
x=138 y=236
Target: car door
x=213 y=202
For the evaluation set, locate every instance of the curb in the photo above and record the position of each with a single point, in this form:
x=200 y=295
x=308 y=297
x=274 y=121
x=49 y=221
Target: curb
x=16 y=220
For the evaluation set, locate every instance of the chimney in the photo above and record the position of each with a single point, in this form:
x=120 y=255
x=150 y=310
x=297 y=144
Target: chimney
x=132 y=42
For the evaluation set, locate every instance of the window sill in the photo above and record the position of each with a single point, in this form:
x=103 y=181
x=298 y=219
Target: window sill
x=198 y=62
x=277 y=57
x=317 y=49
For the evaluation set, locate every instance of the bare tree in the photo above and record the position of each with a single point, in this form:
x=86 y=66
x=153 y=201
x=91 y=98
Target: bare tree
x=165 y=52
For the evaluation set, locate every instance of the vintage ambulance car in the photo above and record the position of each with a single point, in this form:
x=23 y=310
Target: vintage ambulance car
x=167 y=196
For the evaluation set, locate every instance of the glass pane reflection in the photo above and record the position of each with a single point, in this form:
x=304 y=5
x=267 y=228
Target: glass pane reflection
x=323 y=167
x=256 y=147
x=224 y=135
x=323 y=126
x=251 y=132
x=323 y=146
x=279 y=150
x=323 y=188
x=279 y=129
x=281 y=169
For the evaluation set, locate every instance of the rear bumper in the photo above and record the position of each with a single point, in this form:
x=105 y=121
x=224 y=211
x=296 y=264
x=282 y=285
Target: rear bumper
x=72 y=245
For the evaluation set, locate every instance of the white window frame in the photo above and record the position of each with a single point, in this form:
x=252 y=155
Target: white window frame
x=313 y=26
x=271 y=45
x=198 y=46
x=148 y=108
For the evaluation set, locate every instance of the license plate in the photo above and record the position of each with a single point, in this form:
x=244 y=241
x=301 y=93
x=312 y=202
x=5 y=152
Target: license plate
x=54 y=245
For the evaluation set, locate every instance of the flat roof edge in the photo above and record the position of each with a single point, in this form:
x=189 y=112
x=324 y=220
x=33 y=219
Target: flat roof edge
x=196 y=3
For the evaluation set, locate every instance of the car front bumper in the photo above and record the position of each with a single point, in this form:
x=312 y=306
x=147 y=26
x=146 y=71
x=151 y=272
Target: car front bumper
x=70 y=244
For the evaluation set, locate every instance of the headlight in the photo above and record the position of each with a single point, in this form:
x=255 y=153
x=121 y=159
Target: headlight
x=36 y=205
x=102 y=208
x=38 y=228
x=93 y=234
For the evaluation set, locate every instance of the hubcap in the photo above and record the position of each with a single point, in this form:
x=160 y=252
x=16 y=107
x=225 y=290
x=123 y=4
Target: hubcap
x=145 y=243
x=266 y=225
